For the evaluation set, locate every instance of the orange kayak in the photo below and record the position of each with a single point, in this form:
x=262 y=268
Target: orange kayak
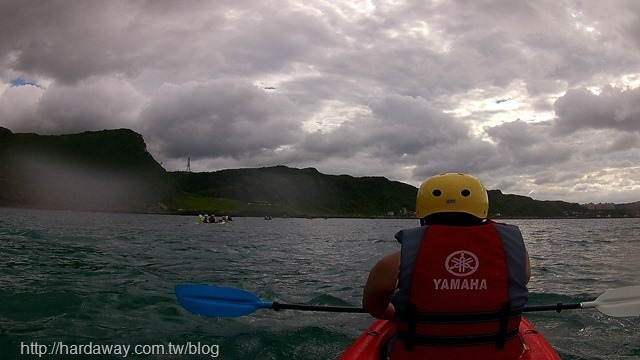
x=369 y=345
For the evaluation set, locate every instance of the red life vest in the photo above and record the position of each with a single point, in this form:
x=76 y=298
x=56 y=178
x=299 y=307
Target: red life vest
x=460 y=292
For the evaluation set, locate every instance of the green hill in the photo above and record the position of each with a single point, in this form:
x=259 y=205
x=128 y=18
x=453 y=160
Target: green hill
x=502 y=205
x=306 y=192
x=280 y=190
x=111 y=170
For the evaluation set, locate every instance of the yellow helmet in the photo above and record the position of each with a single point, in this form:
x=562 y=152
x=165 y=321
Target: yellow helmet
x=452 y=192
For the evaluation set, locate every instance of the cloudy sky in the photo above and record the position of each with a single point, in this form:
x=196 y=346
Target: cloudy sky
x=538 y=98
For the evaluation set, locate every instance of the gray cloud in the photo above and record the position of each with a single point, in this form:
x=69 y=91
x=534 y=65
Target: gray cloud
x=527 y=144
x=613 y=108
x=219 y=118
x=402 y=89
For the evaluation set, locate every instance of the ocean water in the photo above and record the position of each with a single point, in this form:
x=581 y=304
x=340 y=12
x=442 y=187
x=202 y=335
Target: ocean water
x=75 y=282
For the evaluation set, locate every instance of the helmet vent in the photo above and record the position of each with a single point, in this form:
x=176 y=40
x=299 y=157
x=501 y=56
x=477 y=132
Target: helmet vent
x=436 y=192
x=465 y=192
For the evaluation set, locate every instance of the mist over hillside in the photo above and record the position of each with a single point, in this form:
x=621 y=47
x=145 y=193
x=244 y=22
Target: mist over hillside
x=107 y=170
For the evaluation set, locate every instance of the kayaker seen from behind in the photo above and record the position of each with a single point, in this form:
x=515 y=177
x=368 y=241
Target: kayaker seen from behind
x=457 y=287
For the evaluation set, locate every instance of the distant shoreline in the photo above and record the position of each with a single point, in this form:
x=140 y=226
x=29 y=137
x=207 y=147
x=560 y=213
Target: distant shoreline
x=309 y=217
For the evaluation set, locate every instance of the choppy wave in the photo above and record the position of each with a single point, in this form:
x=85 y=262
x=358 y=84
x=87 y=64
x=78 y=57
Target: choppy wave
x=109 y=278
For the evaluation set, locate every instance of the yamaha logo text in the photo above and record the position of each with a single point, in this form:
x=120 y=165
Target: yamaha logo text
x=461 y=264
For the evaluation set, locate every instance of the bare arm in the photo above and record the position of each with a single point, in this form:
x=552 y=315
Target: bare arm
x=381 y=283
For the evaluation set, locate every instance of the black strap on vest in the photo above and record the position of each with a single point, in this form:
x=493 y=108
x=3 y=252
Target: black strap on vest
x=456 y=318
x=412 y=318
x=455 y=340
x=411 y=327
x=504 y=323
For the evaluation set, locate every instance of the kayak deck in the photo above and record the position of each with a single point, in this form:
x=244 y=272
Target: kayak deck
x=369 y=345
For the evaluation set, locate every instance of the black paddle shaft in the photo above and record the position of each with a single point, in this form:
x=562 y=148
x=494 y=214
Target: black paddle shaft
x=557 y=307
x=346 y=309
x=349 y=309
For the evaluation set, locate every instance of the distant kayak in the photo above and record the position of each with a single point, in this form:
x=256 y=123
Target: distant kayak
x=206 y=219
x=213 y=223
x=370 y=344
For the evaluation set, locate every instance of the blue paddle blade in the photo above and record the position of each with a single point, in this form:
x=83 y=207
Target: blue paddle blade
x=218 y=301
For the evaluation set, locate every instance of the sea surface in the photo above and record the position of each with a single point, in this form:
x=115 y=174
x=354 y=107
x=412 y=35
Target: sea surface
x=75 y=282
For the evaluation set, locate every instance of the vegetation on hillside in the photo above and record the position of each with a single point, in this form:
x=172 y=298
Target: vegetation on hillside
x=280 y=190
